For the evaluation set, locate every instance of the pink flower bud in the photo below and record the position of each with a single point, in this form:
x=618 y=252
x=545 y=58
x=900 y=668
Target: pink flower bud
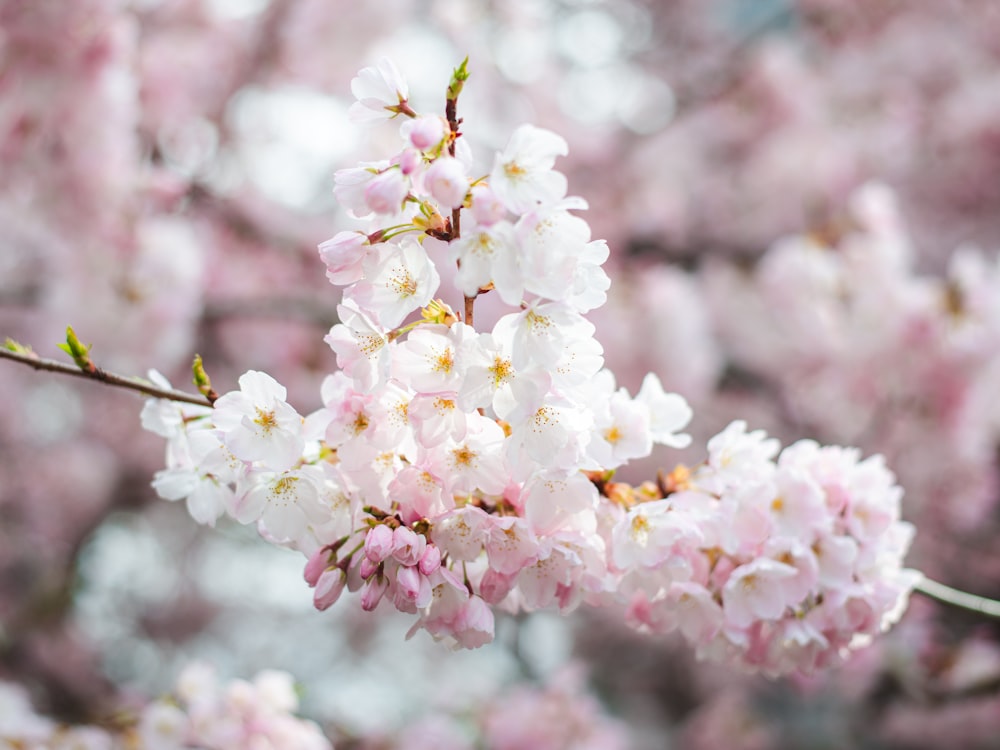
x=329 y=588
x=373 y=592
x=385 y=193
x=410 y=160
x=426 y=132
x=430 y=561
x=486 y=207
x=316 y=564
x=445 y=179
x=378 y=543
x=412 y=589
x=407 y=545
x=367 y=568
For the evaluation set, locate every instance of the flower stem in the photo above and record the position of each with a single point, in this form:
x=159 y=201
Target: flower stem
x=956 y=598
x=103 y=376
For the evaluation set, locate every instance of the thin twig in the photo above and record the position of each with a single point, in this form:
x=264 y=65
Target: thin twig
x=470 y=303
x=458 y=78
x=956 y=598
x=103 y=376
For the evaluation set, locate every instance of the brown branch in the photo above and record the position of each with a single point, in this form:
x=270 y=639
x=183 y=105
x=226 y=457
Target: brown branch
x=469 y=305
x=103 y=376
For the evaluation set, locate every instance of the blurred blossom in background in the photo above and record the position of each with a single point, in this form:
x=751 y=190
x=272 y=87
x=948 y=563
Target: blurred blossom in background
x=802 y=202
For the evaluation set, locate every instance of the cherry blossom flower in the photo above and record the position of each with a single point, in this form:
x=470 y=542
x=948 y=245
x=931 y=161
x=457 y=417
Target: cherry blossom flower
x=668 y=413
x=202 y=477
x=285 y=503
x=379 y=92
x=522 y=175
x=489 y=254
x=398 y=279
x=257 y=424
x=344 y=255
x=361 y=347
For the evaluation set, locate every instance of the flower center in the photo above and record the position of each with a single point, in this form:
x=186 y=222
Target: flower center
x=513 y=170
x=444 y=361
x=266 y=420
x=502 y=371
x=402 y=283
x=464 y=456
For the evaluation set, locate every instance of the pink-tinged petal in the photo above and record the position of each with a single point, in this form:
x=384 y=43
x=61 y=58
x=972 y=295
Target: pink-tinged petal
x=284 y=522
x=461 y=533
x=757 y=591
x=698 y=615
x=511 y=545
x=250 y=505
x=343 y=254
x=474 y=625
x=261 y=388
x=174 y=484
x=208 y=502
x=495 y=586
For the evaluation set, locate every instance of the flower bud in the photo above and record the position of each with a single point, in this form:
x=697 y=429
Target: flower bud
x=445 y=179
x=430 y=561
x=372 y=593
x=385 y=193
x=410 y=160
x=329 y=588
x=426 y=132
x=367 y=568
x=379 y=543
x=316 y=564
x=486 y=207
x=412 y=589
x=407 y=545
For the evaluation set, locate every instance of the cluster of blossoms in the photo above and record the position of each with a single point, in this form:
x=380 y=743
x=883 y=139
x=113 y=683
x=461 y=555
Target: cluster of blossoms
x=451 y=470
x=771 y=565
x=911 y=360
x=260 y=714
x=202 y=713
x=241 y=714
